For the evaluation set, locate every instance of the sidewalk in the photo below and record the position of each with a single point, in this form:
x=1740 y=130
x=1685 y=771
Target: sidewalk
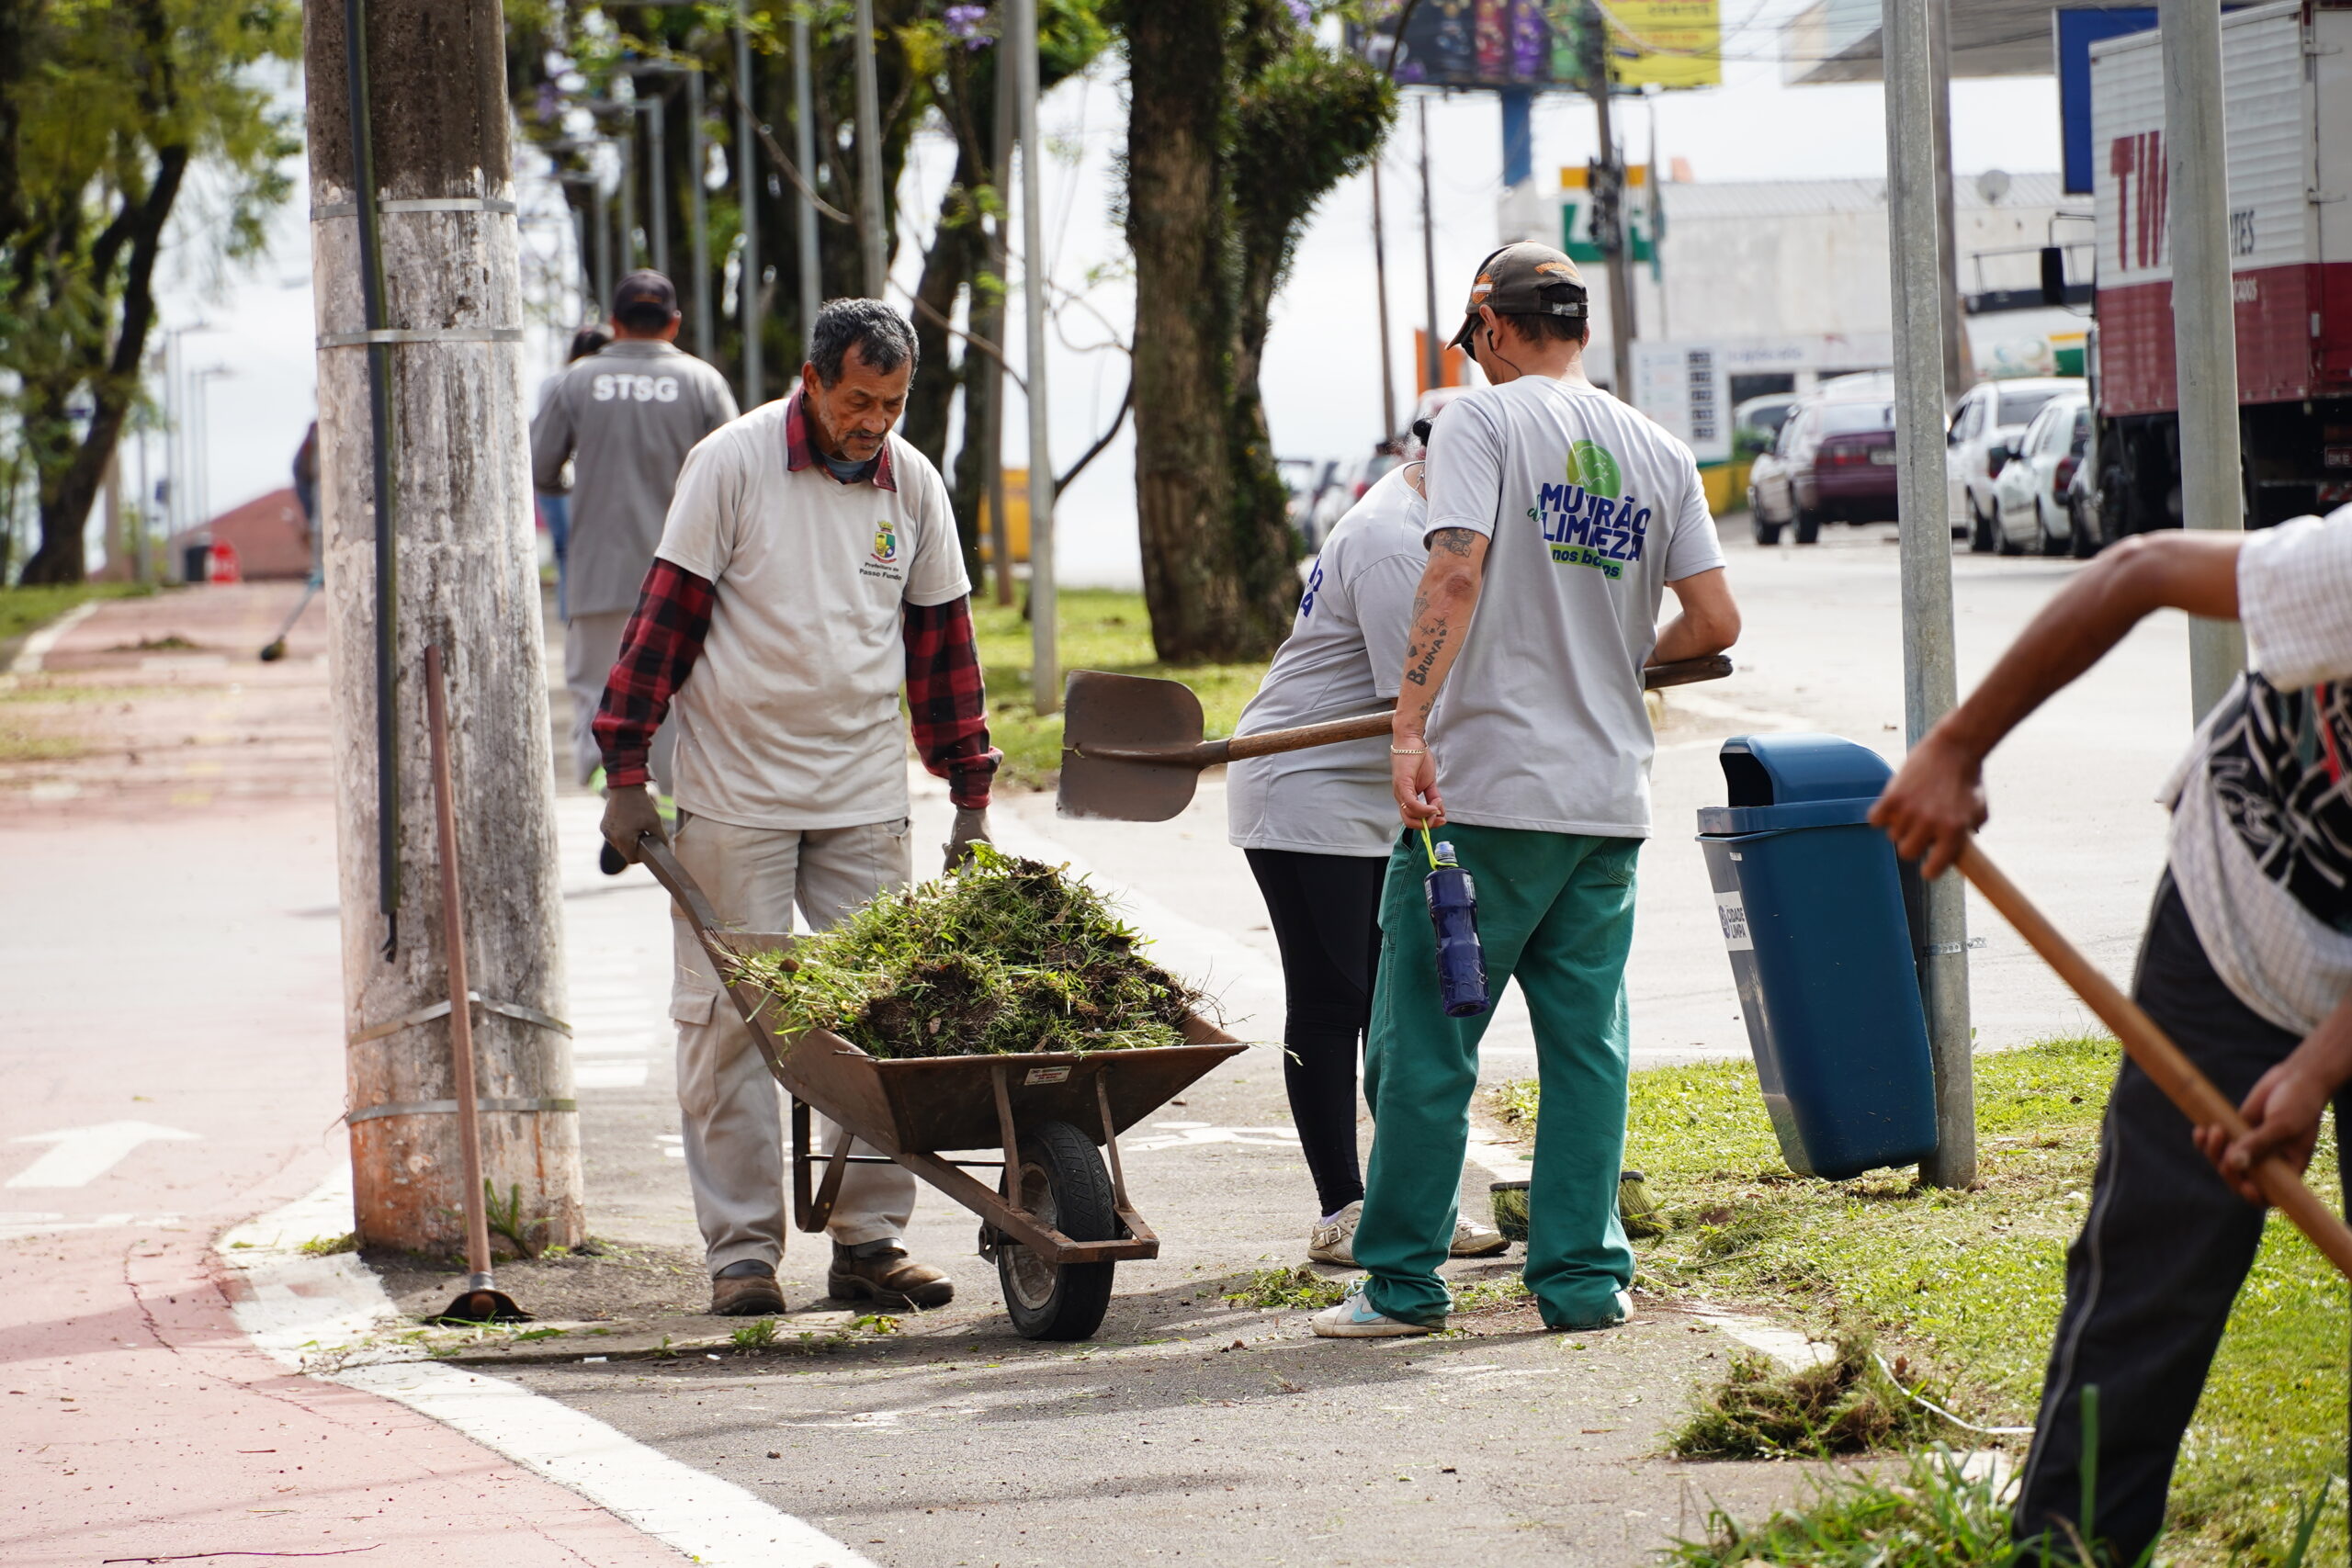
x=171 y=964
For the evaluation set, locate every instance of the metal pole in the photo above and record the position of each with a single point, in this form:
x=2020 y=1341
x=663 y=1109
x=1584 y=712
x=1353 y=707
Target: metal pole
x=2204 y=326
x=804 y=148
x=747 y=181
x=994 y=314
x=1380 y=297
x=604 y=205
x=1045 y=669
x=1959 y=365
x=1433 y=348
x=699 y=210
x=1930 y=684
x=657 y=172
x=1608 y=170
x=870 y=237
x=628 y=144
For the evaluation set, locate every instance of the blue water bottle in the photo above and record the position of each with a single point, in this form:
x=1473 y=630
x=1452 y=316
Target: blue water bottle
x=1454 y=911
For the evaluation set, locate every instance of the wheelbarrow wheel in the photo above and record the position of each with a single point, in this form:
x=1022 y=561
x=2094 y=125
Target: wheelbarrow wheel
x=1058 y=1179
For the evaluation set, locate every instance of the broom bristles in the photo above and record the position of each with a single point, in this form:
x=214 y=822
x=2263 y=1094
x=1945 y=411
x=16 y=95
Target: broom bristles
x=1637 y=1210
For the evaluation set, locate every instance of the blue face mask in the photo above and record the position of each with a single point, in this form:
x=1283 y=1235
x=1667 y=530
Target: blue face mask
x=849 y=470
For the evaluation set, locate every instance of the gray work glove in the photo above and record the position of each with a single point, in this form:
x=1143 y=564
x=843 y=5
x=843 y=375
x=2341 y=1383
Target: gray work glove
x=971 y=827
x=629 y=811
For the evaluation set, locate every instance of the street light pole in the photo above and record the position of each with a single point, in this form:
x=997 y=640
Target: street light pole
x=1608 y=196
x=747 y=181
x=657 y=182
x=870 y=237
x=1044 y=671
x=1930 y=682
x=2204 y=324
x=1380 y=299
x=804 y=148
x=1432 y=346
x=699 y=208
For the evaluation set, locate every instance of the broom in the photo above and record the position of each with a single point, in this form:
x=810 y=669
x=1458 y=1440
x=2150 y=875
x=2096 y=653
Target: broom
x=1637 y=1210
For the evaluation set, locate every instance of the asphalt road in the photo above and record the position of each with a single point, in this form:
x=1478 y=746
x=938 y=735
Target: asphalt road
x=959 y=1443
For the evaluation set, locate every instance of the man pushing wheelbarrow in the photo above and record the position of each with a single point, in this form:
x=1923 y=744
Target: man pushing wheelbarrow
x=2247 y=962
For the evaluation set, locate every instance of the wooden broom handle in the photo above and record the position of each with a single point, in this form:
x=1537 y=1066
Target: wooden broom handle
x=2162 y=1060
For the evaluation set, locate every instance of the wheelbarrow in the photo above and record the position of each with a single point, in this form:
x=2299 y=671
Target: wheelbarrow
x=1058 y=1222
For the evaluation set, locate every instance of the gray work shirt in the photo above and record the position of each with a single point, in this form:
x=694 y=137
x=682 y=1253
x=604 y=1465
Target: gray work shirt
x=1589 y=509
x=1345 y=657
x=626 y=417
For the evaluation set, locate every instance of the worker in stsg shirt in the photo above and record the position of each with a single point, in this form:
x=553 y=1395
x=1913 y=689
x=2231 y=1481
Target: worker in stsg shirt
x=2247 y=962
x=809 y=564
x=1559 y=517
x=624 y=416
x=1317 y=825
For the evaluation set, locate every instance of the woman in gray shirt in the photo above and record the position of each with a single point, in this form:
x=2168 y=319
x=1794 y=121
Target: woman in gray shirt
x=1317 y=826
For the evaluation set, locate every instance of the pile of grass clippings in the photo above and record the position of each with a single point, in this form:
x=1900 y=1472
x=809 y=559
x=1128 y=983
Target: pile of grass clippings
x=1001 y=956
x=1847 y=1404
x=1939 y=1515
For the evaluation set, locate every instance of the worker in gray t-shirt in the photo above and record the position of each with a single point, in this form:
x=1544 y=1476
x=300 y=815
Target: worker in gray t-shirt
x=1558 y=520
x=625 y=419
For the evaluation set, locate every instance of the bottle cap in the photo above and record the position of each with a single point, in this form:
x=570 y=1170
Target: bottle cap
x=1445 y=851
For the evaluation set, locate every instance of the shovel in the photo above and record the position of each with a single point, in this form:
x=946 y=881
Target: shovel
x=481 y=1301
x=2152 y=1049
x=1132 y=747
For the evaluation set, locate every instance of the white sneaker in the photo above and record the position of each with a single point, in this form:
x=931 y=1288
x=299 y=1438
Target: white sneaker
x=1472 y=1240
x=1354 y=1319
x=1334 y=1240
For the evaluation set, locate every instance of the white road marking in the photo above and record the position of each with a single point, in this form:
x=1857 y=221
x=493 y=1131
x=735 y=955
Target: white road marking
x=17 y=1225
x=84 y=1154
x=297 y=1308
x=36 y=647
x=1192 y=1134
x=1785 y=1346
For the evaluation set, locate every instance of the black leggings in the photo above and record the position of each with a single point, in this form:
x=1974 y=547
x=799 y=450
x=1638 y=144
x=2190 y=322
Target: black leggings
x=1326 y=913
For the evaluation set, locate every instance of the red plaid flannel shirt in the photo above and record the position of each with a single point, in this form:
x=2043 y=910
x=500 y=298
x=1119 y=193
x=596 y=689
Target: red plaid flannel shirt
x=665 y=637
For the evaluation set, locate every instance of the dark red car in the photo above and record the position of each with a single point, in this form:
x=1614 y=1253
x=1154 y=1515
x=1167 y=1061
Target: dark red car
x=1833 y=462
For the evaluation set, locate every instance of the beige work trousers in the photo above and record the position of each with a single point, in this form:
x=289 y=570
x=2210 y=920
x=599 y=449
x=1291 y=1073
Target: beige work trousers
x=591 y=644
x=729 y=1106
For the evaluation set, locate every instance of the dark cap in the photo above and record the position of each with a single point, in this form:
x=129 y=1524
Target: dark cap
x=1525 y=280
x=647 y=287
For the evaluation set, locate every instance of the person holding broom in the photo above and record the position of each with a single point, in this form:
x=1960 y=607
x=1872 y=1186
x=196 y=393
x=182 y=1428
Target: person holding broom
x=2247 y=962
x=1559 y=517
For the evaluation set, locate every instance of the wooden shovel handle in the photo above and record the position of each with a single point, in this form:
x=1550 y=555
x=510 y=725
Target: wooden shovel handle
x=2162 y=1060
x=1267 y=743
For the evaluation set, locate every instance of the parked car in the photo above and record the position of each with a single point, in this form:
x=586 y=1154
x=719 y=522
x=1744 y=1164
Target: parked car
x=1833 y=462
x=2029 y=497
x=1756 y=422
x=1985 y=433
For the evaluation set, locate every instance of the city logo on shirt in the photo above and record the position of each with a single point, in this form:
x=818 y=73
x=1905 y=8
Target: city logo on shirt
x=634 y=388
x=1588 y=521
x=886 y=543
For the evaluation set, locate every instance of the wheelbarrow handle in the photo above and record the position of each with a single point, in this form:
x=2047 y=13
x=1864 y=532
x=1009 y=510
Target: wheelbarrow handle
x=2152 y=1049
x=655 y=851
x=1267 y=743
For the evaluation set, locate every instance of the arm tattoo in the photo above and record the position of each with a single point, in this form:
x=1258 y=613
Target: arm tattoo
x=1455 y=541
x=1423 y=654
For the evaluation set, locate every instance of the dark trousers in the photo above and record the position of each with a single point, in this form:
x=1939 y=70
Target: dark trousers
x=1326 y=913
x=2163 y=1251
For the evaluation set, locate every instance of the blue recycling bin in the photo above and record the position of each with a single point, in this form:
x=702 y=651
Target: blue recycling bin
x=1813 y=914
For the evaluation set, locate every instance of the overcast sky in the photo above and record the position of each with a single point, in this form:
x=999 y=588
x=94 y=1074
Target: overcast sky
x=1321 y=374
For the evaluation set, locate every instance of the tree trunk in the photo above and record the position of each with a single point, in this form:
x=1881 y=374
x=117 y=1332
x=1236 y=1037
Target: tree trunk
x=1177 y=230
x=944 y=270
x=468 y=579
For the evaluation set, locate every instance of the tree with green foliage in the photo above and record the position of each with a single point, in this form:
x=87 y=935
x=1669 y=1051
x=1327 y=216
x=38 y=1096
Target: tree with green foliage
x=1239 y=122
x=106 y=110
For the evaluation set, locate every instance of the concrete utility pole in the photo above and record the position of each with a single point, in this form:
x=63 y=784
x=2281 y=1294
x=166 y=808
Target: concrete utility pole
x=804 y=148
x=657 y=182
x=1609 y=209
x=698 y=213
x=422 y=435
x=872 y=241
x=747 y=185
x=1930 y=683
x=1433 y=346
x=2204 y=321
x=1045 y=667
x=1380 y=298
x=1959 y=365
x=988 y=319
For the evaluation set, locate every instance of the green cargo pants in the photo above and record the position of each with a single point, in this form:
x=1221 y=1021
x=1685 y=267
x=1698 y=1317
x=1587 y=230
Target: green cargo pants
x=1556 y=912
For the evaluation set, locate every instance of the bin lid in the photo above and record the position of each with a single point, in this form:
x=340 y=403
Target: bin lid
x=1787 y=770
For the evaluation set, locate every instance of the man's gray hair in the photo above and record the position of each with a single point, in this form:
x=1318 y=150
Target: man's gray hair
x=883 y=339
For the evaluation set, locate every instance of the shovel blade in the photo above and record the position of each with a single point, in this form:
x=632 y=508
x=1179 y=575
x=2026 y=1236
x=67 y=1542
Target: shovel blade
x=1103 y=710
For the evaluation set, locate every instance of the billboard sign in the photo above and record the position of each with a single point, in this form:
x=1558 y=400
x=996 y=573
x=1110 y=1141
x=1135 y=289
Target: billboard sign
x=1538 y=44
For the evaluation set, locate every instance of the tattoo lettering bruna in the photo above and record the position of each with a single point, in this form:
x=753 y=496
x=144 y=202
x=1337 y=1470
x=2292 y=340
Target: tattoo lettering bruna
x=1423 y=654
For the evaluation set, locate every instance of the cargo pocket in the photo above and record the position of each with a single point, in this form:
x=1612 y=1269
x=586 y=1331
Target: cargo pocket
x=692 y=1008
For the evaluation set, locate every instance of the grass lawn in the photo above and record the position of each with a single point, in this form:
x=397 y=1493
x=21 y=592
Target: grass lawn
x=1101 y=629
x=26 y=610
x=1970 y=1282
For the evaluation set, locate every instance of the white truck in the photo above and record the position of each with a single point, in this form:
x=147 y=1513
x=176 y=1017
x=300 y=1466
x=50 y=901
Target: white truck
x=2287 y=74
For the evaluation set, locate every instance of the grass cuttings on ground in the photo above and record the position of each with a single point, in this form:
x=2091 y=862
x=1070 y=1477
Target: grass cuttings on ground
x=1969 y=1283
x=1101 y=629
x=1005 y=956
x=1845 y=1405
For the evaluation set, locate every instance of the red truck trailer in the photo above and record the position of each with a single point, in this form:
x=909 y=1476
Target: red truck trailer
x=2287 y=73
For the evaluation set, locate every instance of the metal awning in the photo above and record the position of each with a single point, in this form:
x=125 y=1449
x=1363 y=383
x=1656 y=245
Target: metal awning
x=1838 y=40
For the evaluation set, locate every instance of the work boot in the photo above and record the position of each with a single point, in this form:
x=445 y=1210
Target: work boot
x=881 y=1272
x=745 y=1290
